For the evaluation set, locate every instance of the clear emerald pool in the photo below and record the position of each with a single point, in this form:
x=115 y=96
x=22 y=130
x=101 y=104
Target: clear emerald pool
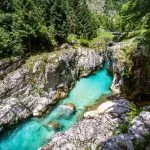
x=32 y=134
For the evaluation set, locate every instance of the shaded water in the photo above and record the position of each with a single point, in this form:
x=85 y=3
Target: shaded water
x=35 y=132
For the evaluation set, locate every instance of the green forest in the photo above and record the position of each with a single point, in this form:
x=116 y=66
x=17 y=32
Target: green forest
x=29 y=26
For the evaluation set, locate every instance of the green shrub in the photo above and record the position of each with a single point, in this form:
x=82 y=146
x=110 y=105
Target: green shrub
x=75 y=41
x=133 y=113
x=123 y=128
x=103 y=37
x=84 y=42
x=72 y=39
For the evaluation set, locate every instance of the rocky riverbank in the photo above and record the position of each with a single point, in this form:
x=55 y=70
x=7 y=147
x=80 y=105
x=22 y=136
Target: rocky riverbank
x=29 y=88
x=98 y=128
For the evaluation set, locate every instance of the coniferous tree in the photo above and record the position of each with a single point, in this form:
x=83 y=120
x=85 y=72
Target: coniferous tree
x=33 y=25
x=29 y=27
x=6 y=6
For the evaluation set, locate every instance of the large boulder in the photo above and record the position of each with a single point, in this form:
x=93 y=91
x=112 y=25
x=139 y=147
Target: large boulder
x=120 y=142
x=141 y=126
x=137 y=136
x=68 y=109
x=113 y=107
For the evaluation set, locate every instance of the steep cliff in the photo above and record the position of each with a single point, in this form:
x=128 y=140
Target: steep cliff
x=129 y=62
x=42 y=80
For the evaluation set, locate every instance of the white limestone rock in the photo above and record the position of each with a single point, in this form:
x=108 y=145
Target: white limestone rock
x=37 y=85
x=93 y=130
x=116 y=107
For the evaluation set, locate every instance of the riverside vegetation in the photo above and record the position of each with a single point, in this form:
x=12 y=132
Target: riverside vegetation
x=46 y=46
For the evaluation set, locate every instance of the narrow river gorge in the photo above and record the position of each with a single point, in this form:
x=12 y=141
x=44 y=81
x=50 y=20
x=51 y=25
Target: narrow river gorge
x=34 y=133
x=74 y=75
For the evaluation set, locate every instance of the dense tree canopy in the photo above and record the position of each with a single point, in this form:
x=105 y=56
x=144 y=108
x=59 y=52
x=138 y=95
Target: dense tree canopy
x=28 y=26
x=33 y=25
x=134 y=18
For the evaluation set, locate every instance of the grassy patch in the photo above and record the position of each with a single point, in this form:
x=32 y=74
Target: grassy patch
x=123 y=127
x=103 y=37
x=72 y=39
x=42 y=57
x=78 y=41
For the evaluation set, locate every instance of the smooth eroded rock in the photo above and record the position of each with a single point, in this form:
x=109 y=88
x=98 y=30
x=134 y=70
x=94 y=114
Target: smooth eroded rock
x=53 y=125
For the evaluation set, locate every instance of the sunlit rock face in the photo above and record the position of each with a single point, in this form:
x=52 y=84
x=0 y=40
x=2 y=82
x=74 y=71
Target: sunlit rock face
x=107 y=8
x=42 y=80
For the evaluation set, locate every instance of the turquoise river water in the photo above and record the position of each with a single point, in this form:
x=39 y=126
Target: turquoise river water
x=33 y=133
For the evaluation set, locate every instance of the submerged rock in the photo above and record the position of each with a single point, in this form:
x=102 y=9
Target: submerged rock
x=71 y=107
x=54 y=125
x=67 y=110
x=129 y=62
